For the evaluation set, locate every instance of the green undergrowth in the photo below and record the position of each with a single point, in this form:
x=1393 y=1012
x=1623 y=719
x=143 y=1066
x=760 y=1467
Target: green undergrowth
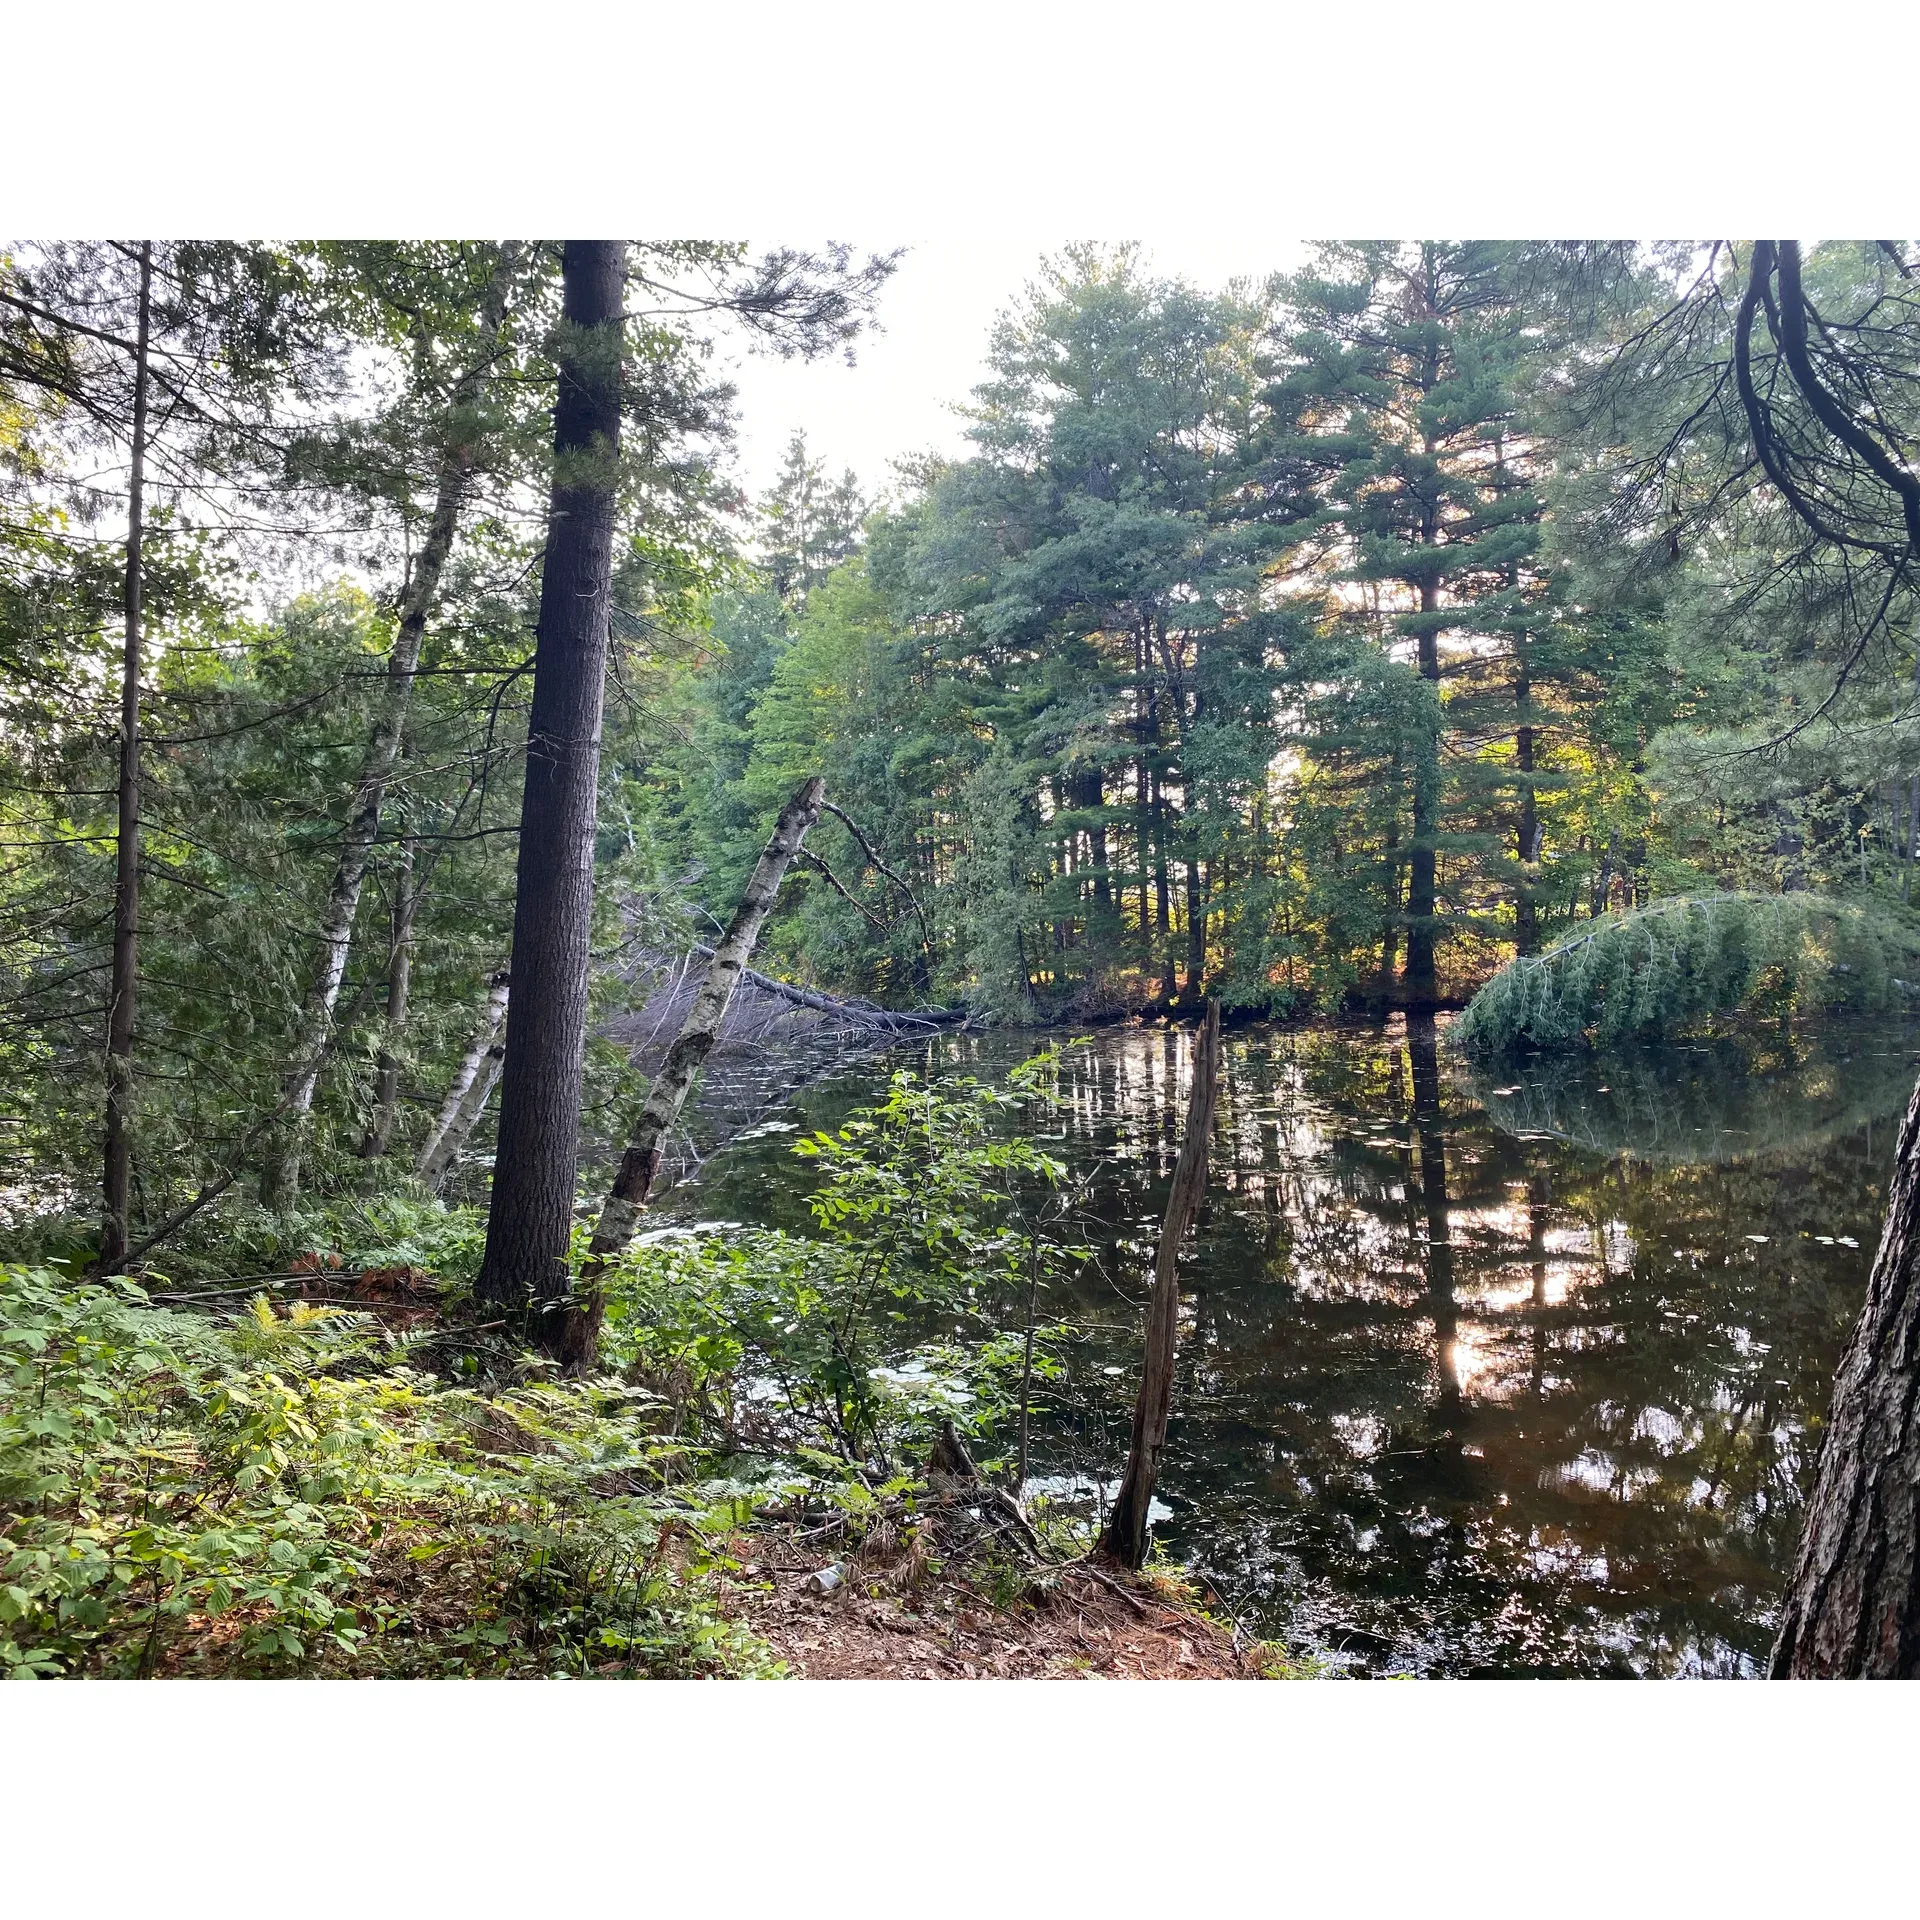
x=307 y=1451
x=936 y=1224
x=279 y=1492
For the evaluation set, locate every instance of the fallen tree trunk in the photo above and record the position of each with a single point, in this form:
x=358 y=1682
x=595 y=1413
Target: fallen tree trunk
x=1125 y=1537
x=640 y=1164
x=880 y=1016
x=467 y=1094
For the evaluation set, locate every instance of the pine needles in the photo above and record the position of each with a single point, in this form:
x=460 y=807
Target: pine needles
x=1640 y=975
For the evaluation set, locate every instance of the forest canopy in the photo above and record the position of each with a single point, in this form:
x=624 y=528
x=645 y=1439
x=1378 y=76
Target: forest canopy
x=1314 y=643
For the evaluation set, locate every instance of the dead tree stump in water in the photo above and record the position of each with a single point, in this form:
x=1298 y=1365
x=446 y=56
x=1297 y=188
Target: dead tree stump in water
x=1125 y=1538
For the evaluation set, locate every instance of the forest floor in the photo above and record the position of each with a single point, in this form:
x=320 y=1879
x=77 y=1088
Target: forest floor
x=899 y=1618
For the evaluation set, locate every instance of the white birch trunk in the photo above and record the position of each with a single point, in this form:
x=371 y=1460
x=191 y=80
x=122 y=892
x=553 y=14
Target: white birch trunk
x=281 y=1176
x=633 y=1184
x=467 y=1094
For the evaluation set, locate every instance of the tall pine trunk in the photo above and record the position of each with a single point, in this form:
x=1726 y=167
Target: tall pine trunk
x=1390 y=932
x=1143 y=806
x=1526 y=927
x=280 y=1176
x=1196 y=926
x=531 y=1216
x=1185 y=719
x=1088 y=797
x=1419 y=980
x=117 y=1180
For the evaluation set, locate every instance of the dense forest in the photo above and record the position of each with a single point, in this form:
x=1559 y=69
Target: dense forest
x=398 y=682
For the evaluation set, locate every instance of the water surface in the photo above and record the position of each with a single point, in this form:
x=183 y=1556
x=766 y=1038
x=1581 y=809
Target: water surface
x=1513 y=1373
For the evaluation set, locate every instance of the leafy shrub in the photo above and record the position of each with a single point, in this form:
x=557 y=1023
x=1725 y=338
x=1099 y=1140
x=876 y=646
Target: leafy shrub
x=931 y=1224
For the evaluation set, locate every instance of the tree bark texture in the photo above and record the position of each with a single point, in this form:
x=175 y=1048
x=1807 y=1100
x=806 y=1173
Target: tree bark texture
x=117 y=1171
x=1125 y=1538
x=1853 y=1606
x=466 y=1097
x=280 y=1177
x=667 y=1097
x=1423 y=871
x=531 y=1216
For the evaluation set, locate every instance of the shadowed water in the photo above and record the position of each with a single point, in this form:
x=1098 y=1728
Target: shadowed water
x=1480 y=1373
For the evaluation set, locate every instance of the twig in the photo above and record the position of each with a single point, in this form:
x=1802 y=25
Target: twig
x=1112 y=1586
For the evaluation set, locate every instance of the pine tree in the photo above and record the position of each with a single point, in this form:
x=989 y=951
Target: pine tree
x=531 y=1216
x=1091 y=575
x=1399 y=369
x=811 y=525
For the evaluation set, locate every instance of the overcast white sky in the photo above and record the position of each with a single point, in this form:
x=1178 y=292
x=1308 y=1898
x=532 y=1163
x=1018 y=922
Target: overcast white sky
x=936 y=312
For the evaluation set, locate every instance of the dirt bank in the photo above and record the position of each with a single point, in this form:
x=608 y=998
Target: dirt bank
x=901 y=1619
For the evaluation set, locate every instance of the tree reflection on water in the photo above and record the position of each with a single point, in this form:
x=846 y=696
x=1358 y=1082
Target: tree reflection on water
x=1514 y=1376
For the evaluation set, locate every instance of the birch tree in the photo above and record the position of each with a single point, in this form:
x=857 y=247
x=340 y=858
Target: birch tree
x=460 y=454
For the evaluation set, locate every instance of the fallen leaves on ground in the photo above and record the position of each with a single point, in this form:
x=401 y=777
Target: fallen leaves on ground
x=1070 y=1625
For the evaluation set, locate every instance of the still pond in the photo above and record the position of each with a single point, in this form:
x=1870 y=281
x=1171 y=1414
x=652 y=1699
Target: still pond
x=1481 y=1373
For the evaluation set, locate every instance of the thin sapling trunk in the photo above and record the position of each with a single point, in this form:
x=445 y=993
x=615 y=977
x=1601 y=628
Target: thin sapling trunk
x=1125 y=1536
x=1026 y=1366
x=117 y=1182
x=466 y=1097
x=386 y=1098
